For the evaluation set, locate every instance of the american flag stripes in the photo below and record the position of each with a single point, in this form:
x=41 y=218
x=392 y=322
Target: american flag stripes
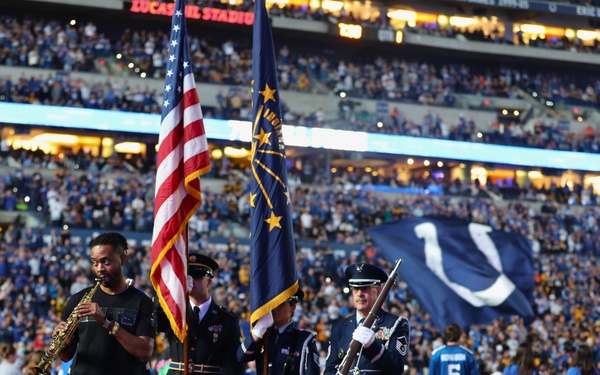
x=183 y=157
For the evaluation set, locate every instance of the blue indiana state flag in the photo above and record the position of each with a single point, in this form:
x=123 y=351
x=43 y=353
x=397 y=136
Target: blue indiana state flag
x=461 y=272
x=273 y=276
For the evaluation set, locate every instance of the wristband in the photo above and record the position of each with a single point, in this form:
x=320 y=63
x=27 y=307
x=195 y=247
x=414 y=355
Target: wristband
x=114 y=329
x=106 y=323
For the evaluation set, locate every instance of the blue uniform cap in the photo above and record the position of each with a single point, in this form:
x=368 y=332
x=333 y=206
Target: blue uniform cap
x=201 y=265
x=299 y=296
x=363 y=274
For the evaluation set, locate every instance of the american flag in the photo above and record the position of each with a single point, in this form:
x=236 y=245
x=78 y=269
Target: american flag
x=182 y=158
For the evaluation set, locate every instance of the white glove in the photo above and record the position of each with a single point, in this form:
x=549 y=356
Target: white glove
x=364 y=335
x=261 y=325
x=189 y=283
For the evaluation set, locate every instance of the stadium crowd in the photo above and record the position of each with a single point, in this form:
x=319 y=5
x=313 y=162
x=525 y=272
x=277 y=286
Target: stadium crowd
x=39 y=272
x=48 y=44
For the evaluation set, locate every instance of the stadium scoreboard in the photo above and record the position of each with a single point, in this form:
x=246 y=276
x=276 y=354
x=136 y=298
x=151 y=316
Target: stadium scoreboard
x=355 y=31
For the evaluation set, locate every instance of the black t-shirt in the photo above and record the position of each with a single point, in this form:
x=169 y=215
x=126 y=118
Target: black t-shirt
x=100 y=353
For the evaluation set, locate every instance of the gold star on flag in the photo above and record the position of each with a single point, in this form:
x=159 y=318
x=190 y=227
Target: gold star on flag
x=252 y=196
x=268 y=93
x=263 y=137
x=273 y=221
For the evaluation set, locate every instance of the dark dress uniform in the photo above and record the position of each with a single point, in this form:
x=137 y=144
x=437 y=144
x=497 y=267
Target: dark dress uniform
x=386 y=355
x=213 y=341
x=291 y=352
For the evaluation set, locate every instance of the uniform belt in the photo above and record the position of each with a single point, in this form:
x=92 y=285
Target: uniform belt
x=195 y=368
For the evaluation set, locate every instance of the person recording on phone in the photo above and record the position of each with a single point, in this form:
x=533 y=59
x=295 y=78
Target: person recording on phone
x=117 y=328
x=384 y=344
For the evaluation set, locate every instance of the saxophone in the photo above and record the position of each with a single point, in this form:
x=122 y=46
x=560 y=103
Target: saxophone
x=59 y=342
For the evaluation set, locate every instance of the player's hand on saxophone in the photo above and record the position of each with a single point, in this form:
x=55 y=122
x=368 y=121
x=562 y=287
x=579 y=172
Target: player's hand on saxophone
x=61 y=327
x=91 y=309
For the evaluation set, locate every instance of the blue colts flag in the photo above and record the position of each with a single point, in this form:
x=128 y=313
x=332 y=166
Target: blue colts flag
x=461 y=272
x=273 y=276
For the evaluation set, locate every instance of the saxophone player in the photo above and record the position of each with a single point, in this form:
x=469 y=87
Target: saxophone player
x=117 y=328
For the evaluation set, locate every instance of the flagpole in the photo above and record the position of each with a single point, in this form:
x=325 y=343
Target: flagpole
x=266 y=353
x=186 y=342
x=182 y=133
x=186 y=354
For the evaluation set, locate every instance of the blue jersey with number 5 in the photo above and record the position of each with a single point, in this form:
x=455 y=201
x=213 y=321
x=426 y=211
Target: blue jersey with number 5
x=453 y=360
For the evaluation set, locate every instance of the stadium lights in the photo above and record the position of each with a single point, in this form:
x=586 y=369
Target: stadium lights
x=532 y=29
x=426 y=163
x=119 y=56
x=462 y=21
x=128 y=147
x=56 y=138
x=410 y=161
x=440 y=164
x=587 y=35
x=328 y=5
x=236 y=153
x=403 y=15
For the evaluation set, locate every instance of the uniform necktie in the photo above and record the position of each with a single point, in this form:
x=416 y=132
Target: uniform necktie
x=197 y=312
x=360 y=322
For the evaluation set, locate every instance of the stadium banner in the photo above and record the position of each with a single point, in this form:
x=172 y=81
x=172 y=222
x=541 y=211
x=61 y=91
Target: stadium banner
x=540 y=6
x=461 y=272
x=159 y=8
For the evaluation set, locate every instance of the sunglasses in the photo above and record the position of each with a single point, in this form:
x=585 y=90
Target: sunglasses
x=198 y=274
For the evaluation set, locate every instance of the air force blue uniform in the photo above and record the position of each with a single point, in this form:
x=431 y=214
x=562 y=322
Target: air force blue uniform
x=386 y=355
x=291 y=352
x=453 y=360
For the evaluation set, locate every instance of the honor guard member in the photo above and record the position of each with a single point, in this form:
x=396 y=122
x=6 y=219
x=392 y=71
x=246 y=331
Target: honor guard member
x=291 y=351
x=384 y=345
x=213 y=333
